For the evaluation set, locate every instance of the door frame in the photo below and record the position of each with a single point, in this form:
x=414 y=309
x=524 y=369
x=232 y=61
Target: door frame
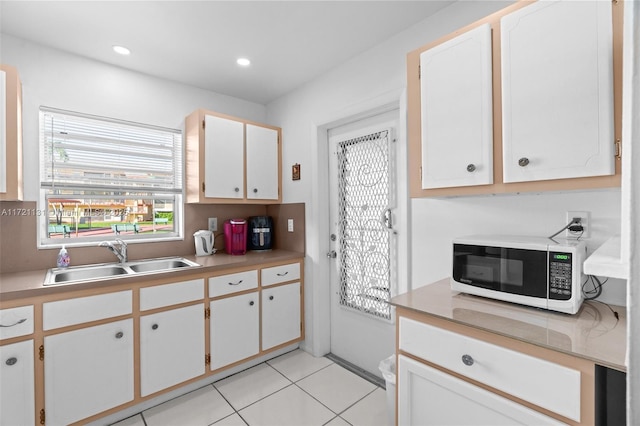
x=317 y=265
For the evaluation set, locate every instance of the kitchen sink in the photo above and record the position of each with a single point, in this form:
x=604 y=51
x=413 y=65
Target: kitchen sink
x=160 y=265
x=114 y=270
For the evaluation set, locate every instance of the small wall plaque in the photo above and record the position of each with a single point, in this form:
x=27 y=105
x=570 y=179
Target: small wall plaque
x=295 y=172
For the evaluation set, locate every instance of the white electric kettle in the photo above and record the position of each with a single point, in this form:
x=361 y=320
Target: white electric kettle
x=204 y=243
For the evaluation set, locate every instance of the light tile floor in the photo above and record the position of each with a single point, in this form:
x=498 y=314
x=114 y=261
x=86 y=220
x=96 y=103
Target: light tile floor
x=294 y=389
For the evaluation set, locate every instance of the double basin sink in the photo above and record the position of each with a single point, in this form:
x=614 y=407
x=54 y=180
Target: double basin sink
x=115 y=270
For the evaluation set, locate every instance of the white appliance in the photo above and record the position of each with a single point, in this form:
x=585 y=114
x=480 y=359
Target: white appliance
x=530 y=271
x=204 y=243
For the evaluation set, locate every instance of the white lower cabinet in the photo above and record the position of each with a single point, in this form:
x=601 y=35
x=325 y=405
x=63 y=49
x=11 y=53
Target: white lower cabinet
x=88 y=371
x=171 y=348
x=17 y=385
x=235 y=329
x=427 y=396
x=280 y=314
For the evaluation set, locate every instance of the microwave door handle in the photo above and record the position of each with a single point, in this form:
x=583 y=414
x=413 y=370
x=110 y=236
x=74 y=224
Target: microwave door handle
x=387 y=219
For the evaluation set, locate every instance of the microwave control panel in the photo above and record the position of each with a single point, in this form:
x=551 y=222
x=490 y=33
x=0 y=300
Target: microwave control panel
x=560 y=276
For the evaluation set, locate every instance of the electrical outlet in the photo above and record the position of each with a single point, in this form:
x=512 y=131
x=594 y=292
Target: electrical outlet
x=213 y=224
x=290 y=225
x=585 y=221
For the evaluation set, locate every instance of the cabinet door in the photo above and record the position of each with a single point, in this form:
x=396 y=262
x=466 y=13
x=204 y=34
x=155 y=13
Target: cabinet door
x=223 y=158
x=234 y=329
x=456 y=111
x=17 y=405
x=557 y=91
x=427 y=396
x=171 y=348
x=262 y=163
x=280 y=315
x=88 y=371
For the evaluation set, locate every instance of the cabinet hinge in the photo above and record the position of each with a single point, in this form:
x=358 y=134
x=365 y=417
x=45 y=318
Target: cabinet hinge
x=202 y=186
x=41 y=352
x=420 y=174
x=42 y=417
x=419 y=72
x=203 y=124
x=618 y=145
x=207 y=313
x=207 y=359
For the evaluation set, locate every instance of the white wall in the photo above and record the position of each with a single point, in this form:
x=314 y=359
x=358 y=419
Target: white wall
x=60 y=80
x=433 y=223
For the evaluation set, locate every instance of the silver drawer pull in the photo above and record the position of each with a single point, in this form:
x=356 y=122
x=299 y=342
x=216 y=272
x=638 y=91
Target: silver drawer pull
x=523 y=162
x=11 y=361
x=282 y=274
x=467 y=360
x=251 y=303
x=15 y=323
x=471 y=168
x=238 y=283
x=154 y=327
x=119 y=335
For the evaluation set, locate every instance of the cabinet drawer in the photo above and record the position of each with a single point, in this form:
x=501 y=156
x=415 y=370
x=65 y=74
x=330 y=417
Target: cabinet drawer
x=280 y=274
x=85 y=309
x=16 y=322
x=548 y=385
x=233 y=283
x=171 y=294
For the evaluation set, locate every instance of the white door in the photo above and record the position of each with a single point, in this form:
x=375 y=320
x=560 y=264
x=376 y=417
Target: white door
x=171 y=348
x=427 y=396
x=224 y=158
x=280 y=314
x=235 y=329
x=557 y=91
x=88 y=371
x=361 y=209
x=17 y=400
x=456 y=111
x=262 y=163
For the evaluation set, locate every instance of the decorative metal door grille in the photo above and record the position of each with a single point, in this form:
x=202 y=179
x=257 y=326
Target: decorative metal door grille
x=364 y=240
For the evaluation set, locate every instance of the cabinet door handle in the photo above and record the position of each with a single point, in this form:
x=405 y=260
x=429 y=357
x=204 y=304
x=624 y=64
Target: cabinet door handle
x=119 y=335
x=238 y=283
x=523 y=162
x=467 y=360
x=251 y=303
x=154 y=327
x=270 y=297
x=255 y=190
x=15 y=323
x=282 y=274
x=236 y=189
x=12 y=361
x=471 y=168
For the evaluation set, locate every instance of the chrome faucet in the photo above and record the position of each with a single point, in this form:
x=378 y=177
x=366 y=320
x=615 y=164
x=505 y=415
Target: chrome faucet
x=120 y=251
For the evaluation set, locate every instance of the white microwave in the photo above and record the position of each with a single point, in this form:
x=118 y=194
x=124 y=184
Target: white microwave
x=531 y=271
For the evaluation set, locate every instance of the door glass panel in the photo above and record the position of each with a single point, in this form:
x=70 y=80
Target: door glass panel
x=364 y=239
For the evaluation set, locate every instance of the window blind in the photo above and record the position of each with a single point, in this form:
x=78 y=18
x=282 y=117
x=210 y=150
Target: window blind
x=82 y=152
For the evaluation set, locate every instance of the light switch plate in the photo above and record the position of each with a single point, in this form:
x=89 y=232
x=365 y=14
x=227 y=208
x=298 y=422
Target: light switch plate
x=213 y=224
x=290 y=225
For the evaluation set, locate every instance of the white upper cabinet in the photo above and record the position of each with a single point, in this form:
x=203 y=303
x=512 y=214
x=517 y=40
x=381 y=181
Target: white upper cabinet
x=456 y=111
x=10 y=134
x=224 y=158
x=557 y=91
x=231 y=160
x=262 y=163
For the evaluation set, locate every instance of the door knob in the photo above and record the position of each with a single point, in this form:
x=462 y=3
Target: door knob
x=332 y=254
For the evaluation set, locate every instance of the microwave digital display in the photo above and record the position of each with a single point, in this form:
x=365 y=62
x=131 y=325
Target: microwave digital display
x=561 y=257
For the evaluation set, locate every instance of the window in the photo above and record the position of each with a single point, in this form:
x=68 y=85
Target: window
x=103 y=178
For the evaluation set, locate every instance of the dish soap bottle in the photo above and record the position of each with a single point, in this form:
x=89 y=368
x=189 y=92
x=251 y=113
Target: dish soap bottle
x=63 y=258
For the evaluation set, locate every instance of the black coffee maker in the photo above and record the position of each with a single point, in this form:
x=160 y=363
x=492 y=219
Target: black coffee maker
x=260 y=233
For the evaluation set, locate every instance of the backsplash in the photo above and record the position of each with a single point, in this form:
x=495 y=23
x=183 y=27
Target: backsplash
x=18 y=235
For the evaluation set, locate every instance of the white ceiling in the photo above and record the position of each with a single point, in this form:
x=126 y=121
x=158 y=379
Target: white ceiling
x=197 y=42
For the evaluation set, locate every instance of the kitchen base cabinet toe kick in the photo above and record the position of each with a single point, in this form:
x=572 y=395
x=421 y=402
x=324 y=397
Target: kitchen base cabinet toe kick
x=78 y=356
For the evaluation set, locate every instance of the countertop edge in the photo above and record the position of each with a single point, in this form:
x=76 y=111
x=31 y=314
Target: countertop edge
x=28 y=284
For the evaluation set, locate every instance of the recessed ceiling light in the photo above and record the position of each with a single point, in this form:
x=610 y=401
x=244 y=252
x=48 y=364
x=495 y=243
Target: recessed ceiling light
x=121 y=50
x=243 y=62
